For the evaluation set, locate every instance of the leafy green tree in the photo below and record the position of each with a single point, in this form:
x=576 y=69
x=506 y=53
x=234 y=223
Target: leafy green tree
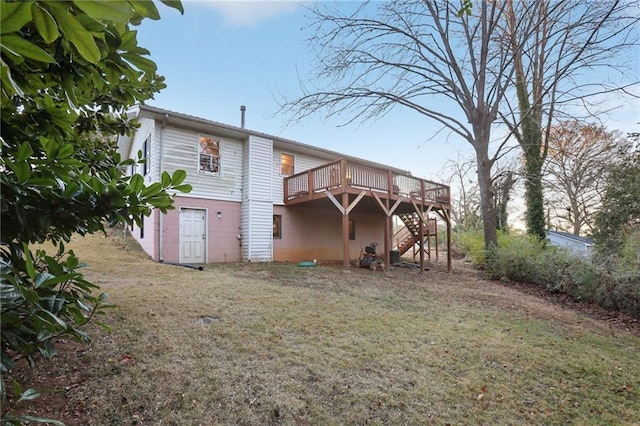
x=68 y=71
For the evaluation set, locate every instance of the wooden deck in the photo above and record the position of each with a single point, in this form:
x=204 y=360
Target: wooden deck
x=347 y=183
x=344 y=176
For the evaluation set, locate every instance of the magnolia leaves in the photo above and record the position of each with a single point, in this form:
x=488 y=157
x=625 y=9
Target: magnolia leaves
x=76 y=33
x=49 y=20
x=52 y=18
x=69 y=69
x=44 y=23
x=34 y=33
x=15 y=15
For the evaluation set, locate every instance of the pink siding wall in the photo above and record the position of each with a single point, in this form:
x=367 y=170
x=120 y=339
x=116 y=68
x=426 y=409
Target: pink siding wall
x=309 y=233
x=222 y=244
x=149 y=241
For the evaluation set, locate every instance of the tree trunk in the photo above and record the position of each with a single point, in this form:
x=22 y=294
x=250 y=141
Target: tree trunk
x=530 y=137
x=487 y=205
x=534 y=155
x=533 y=196
x=502 y=187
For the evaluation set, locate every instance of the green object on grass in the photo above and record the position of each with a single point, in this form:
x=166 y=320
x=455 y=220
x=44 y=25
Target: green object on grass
x=306 y=264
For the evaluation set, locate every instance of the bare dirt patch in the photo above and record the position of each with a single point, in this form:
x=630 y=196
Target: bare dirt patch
x=279 y=344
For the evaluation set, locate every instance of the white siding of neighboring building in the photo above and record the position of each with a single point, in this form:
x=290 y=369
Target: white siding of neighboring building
x=257 y=207
x=576 y=247
x=180 y=151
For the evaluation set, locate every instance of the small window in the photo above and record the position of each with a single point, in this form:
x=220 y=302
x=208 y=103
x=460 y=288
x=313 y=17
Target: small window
x=209 y=157
x=277 y=226
x=145 y=157
x=352 y=230
x=286 y=164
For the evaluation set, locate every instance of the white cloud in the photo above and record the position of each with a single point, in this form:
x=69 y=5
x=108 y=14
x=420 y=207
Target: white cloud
x=246 y=13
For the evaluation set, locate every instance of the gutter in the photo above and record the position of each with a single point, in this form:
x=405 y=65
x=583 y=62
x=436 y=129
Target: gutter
x=161 y=230
x=203 y=124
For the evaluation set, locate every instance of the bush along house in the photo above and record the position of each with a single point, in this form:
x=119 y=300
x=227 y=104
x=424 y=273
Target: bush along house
x=262 y=198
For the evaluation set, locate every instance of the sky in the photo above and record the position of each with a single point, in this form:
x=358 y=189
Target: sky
x=220 y=55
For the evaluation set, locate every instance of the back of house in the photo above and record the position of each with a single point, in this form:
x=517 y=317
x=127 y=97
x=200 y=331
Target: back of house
x=242 y=207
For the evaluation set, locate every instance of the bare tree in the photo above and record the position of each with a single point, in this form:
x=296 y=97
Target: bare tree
x=503 y=184
x=461 y=177
x=577 y=52
x=579 y=156
x=426 y=56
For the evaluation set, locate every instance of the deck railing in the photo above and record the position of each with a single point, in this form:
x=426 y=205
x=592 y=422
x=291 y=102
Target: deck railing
x=349 y=174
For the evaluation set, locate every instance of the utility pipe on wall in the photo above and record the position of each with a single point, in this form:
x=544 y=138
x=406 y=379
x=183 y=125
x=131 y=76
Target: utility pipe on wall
x=161 y=231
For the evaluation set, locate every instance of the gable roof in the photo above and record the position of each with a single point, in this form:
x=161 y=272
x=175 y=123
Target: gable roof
x=204 y=125
x=574 y=237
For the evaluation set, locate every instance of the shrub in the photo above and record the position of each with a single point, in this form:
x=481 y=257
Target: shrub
x=527 y=260
x=619 y=292
x=69 y=71
x=471 y=244
x=516 y=258
x=629 y=260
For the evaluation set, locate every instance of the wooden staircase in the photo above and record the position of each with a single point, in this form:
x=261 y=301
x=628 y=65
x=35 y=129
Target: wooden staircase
x=409 y=236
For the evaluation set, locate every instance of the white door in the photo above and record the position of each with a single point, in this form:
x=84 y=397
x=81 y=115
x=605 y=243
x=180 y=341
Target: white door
x=193 y=236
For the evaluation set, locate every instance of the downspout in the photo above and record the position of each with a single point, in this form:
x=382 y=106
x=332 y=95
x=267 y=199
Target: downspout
x=161 y=230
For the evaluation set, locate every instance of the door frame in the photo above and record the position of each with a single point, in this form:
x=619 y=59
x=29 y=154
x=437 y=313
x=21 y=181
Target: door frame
x=206 y=231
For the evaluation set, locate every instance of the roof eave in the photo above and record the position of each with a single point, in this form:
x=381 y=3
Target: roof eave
x=205 y=125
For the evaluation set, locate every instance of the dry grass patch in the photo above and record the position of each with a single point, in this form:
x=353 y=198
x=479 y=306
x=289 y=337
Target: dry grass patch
x=277 y=344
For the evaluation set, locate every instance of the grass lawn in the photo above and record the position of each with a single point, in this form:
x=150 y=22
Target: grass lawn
x=258 y=344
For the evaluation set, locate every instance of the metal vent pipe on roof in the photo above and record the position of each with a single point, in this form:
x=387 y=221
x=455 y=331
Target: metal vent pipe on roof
x=242 y=111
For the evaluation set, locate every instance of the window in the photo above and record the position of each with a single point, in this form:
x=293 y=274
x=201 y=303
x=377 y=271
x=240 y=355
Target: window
x=145 y=157
x=286 y=164
x=209 y=157
x=277 y=226
x=352 y=230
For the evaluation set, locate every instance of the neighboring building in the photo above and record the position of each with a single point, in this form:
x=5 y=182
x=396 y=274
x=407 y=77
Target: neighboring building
x=258 y=197
x=578 y=245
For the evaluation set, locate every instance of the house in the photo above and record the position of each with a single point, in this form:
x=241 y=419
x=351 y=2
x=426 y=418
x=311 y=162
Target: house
x=261 y=198
x=578 y=245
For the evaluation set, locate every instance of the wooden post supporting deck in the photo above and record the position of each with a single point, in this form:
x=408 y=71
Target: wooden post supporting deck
x=387 y=241
x=388 y=222
x=448 y=241
x=363 y=180
x=422 y=219
x=345 y=230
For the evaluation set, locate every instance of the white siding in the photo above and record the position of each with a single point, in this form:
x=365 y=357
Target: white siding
x=257 y=207
x=257 y=233
x=155 y=155
x=146 y=130
x=300 y=163
x=180 y=151
x=576 y=247
x=304 y=162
